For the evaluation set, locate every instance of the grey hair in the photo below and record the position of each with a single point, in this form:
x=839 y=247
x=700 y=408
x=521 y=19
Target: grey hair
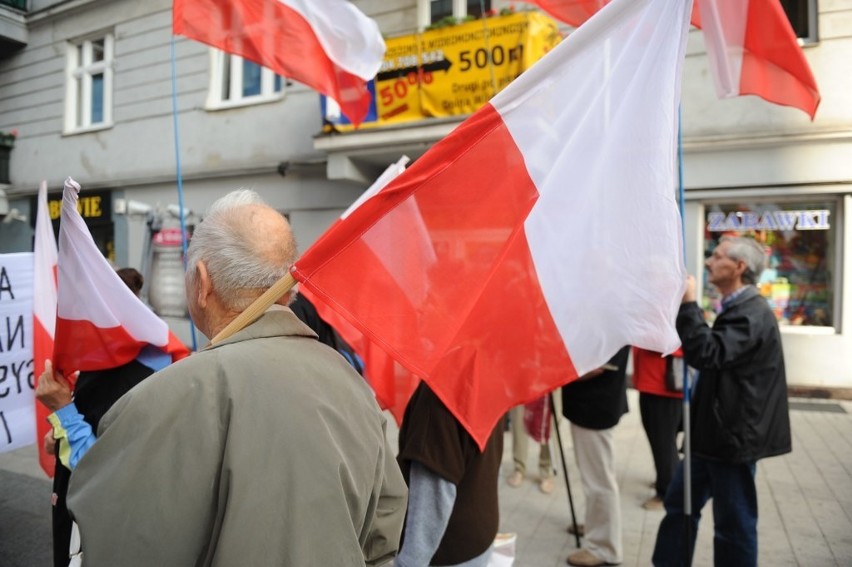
x=238 y=272
x=749 y=251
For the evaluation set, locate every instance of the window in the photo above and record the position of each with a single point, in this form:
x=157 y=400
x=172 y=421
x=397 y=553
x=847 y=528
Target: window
x=432 y=11
x=803 y=16
x=801 y=242
x=89 y=88
x=235 y=81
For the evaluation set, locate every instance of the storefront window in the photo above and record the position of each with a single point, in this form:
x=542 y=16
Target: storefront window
x=800 y=240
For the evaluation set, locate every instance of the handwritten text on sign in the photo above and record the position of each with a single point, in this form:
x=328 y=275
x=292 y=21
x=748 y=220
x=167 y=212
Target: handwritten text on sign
x=17 y=406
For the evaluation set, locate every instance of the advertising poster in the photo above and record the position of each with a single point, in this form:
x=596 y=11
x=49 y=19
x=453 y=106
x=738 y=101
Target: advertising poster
x=453 y=70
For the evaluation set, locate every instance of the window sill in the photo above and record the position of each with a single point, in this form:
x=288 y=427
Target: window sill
x=253 y=101
x=88 y=129
x=806 y=330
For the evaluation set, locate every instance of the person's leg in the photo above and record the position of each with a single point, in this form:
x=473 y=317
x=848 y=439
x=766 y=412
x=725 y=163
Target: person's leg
x=671 y=546
x=519 y=446
x=61 y=519
x=595 y=452
x=661 y=417
x=734 y=514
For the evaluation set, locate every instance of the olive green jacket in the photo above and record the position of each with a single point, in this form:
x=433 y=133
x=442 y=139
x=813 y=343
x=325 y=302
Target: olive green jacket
x=267 y=449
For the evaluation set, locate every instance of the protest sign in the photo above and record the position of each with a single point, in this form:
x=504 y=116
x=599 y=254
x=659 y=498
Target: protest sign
x=17 y=382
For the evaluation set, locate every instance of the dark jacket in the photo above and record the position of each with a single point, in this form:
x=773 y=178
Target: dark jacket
x=599 y=402
x=739 y=409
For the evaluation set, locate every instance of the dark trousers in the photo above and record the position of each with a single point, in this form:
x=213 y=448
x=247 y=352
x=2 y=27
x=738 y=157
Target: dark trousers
x=61 y=517
x=731 y=486
x=661 y=418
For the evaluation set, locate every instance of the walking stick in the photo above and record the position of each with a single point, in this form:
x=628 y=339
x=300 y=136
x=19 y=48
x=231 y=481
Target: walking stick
x=564 y=470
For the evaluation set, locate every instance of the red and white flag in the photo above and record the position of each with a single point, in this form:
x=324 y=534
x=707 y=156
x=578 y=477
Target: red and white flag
x=751 y=46
x=44 y=313
x=392 y=383
x=753 y=50
x=329 y=45
x=100 y=323
x=550 y=222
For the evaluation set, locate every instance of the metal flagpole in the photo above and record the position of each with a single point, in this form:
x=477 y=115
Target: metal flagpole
x=179 y=176
x=687 y=430
x=564 y=469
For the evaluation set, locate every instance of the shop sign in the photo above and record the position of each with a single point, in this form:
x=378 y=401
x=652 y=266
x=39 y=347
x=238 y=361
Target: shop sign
x=454 y=70
x=94 y=206
x=743 y=221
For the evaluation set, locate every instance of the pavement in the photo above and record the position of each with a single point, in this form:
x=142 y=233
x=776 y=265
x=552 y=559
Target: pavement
x=804 y=498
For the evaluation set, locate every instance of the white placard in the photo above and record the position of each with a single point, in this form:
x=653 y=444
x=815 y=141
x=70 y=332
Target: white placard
x=17 y=405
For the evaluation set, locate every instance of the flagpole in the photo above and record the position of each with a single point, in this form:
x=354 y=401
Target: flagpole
x=257 y=308
x=564 y=470
x=179 y=175
x=687 y=429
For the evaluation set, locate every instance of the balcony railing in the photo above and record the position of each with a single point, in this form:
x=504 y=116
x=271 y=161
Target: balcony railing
x=19 y=4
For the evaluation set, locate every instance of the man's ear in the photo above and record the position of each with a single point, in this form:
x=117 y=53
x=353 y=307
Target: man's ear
x=205 y=286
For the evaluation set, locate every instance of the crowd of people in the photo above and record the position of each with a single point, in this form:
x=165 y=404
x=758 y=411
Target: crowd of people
x=268 y=448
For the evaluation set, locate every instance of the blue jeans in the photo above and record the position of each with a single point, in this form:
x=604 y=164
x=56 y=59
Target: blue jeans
x=731 y=486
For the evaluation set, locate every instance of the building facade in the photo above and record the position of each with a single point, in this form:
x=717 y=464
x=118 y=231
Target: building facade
x=88 y=85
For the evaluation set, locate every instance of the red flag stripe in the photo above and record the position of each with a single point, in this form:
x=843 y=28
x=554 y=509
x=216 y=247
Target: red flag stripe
x=469 y=216
x=773 y=64
x=276 y=36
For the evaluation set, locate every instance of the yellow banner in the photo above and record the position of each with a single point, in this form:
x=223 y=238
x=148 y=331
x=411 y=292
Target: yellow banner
x=455 y=70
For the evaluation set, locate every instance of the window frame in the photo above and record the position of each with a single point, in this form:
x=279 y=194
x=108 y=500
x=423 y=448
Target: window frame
x=215 y=100
x=79 y=72
x=812 y=11
x=424 y=12
x=788 y=202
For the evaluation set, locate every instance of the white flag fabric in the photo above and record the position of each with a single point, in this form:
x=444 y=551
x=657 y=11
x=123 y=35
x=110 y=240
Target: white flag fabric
x=44 y=312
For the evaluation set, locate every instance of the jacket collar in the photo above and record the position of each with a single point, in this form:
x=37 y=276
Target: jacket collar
x=275 y=322
x=749 y=292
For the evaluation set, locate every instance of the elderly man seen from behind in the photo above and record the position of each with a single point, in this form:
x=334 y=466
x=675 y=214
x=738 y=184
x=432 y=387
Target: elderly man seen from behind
x=265 y=449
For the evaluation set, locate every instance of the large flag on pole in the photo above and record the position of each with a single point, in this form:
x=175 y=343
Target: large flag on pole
x=329 y=45
x=100 y=323
x=750 y=43
x=551 y=237
x=44 y=313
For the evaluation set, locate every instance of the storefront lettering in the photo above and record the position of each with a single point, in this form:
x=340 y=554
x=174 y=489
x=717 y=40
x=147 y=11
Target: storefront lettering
x=88 y=207
x=742 y=221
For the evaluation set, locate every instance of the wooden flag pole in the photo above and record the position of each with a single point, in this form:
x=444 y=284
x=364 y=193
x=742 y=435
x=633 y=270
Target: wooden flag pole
x=257 y=308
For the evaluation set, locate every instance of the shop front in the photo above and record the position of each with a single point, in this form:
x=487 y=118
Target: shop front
x=805 y=280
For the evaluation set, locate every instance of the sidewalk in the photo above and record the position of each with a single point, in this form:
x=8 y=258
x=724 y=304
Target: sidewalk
x=805 y=497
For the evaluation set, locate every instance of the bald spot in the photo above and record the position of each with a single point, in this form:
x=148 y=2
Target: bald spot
x=266 y=232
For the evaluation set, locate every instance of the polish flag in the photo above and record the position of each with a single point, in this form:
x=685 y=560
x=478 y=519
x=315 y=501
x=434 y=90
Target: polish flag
x=391 y=382
x=751 y=46
x=329 y=45
x=44 y=314
x=100 y=323
x=549 y=218
x=753 y=49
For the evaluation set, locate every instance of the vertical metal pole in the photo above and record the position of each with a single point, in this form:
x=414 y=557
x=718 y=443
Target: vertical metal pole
x=687 y=429
x=564 y=470
x=179 y=175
